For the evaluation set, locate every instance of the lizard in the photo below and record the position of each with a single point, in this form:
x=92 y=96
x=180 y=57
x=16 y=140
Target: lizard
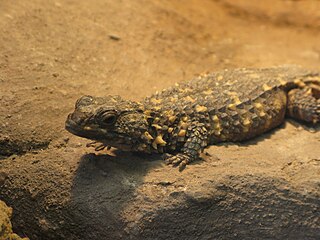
x=225 y=106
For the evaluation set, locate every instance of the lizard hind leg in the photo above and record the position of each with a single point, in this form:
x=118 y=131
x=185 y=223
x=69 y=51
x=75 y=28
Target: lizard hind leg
x=304 y=104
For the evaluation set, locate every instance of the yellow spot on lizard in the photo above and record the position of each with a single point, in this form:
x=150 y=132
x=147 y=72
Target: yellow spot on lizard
x=148 y=135
x=156 y=108
x=185 y=118
x=246 y=122
x=236 y=100
x=182 y=133
x=147 y=112
x=155 y=101
x=201 y=108
x=189 y=99
x=217 y=129
x=173 y=99
x=282 y=82
x=300 y=83
x=158 y=141
x=232 y=106
x=266 y=87
x=232 y=93
x=262 y=114
x=183 y=125
x=258 y=105
x=208 y=92
x=156 y=126
x=219 y=77
x=172 y=119
x=215 y=118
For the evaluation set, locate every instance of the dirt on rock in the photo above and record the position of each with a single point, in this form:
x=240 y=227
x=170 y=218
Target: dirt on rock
x=54 y=52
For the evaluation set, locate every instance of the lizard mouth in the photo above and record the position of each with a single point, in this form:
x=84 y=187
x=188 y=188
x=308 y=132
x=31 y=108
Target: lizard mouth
x=93 y=132
x=82 y=131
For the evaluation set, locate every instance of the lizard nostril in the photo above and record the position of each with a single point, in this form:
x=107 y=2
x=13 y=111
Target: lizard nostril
x=77 y=118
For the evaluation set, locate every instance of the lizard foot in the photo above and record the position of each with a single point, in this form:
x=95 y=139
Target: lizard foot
x=180 y=160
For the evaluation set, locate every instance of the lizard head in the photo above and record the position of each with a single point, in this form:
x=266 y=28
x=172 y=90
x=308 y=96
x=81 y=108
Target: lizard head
x=111 y=120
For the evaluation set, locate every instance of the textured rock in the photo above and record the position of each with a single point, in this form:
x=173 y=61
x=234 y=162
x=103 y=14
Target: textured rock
x=6 y=232
x=54 y=52
x=265 y=188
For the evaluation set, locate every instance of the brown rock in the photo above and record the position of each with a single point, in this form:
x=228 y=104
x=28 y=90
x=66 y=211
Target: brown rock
x=6 y=232
x=267 y=188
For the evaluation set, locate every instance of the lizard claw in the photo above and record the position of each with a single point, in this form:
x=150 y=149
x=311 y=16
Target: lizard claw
x=168 y=158
x=98 y=146
x=91 y=144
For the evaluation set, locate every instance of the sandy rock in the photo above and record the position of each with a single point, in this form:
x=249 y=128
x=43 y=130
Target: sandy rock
x=6 y=232
x=52 y=53
x=243 y=191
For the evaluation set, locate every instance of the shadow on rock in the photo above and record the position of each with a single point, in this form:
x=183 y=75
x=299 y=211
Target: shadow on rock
x=240 y=207
x=102 y=185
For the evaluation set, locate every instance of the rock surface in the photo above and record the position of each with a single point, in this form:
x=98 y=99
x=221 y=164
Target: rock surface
x=267 y=188
x=6 y=232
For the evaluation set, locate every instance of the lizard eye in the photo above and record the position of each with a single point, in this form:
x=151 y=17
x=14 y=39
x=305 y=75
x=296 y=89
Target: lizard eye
x=108 y=118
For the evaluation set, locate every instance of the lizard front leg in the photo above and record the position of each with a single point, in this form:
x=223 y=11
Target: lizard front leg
x=197 y=140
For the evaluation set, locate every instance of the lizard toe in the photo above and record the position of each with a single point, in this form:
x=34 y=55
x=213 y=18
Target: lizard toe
x=177 y=161
x=180 y=160
x=182 y=165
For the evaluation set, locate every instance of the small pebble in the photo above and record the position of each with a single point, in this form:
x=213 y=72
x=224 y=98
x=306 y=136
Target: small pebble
x=312 y=130
x=165 y=183
x=114 y=37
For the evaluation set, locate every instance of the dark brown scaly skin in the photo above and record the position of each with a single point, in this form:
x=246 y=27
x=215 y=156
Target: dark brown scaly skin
x=226 y=106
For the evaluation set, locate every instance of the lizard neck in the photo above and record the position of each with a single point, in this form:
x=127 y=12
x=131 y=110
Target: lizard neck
x=165 y=132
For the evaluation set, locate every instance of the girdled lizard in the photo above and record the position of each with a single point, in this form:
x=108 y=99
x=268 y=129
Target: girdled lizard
x=225 y=106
